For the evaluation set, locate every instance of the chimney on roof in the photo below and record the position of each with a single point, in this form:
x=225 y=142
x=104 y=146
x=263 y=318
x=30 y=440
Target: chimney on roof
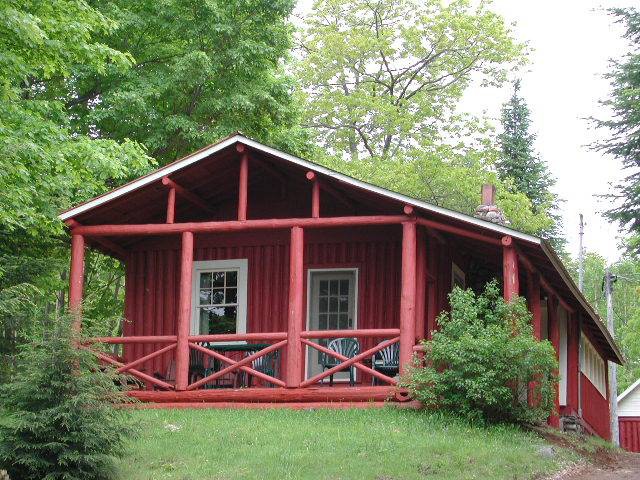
x=488 y=210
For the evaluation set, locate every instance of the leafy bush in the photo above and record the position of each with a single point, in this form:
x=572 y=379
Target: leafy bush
x=58 y=415
x=482 y=360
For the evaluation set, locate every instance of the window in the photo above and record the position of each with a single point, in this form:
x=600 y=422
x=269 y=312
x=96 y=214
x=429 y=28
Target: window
x=219 y=297
x=458 y=278
x=592 y=365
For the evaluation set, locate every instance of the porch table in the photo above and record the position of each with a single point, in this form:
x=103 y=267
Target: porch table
x=249 y=348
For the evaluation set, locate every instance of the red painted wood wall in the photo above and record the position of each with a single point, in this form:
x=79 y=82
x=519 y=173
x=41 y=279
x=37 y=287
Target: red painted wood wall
x=153 y=279
x=630 y=433
x=595 y=409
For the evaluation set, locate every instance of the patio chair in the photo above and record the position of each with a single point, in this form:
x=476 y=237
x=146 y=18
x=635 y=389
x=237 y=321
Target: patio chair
x=386 y=361
x=267 y=364
x=349 y=347
x=197 y=368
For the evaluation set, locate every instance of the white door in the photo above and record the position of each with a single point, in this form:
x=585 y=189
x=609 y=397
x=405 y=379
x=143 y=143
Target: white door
x=332 y=306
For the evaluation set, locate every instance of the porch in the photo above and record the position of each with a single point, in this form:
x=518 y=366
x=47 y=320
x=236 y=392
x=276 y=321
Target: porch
x=204 y=268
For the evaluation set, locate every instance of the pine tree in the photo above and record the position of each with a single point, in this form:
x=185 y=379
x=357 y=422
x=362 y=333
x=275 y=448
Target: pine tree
x=624 y=128
x=520 y=164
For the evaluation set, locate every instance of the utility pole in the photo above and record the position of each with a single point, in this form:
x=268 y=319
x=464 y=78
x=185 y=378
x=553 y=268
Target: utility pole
x=609 y=280
x=581 y=256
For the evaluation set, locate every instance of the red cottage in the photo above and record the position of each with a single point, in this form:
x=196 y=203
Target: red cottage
x=253 y=269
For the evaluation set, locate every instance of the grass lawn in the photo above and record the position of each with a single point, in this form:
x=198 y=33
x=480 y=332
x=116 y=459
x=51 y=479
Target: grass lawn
x=377 y=444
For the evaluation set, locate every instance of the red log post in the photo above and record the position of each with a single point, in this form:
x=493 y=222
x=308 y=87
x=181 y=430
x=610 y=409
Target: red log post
x=243 y=187
x=184 y=312
x=296 y=284
x=171 y=205
x=421 y=285
x=510 y=269
x=76 y=280
x=408 y=294
x=432 y=291
x=554 y=336
x=533 y=290
x=315 y=194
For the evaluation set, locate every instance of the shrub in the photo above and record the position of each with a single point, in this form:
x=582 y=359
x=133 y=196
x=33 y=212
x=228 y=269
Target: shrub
x=481 y=361
x=59 y=418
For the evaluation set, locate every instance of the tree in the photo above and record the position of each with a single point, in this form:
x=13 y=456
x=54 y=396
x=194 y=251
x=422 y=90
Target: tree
x=520 y=165
x=45 y=166
x=201 y=70
x=59 y=417
x=483 y=359
x=624 y=126
x=383 y=77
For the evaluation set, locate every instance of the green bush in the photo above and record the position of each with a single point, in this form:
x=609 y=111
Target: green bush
x=58 y=416
x=479 y=364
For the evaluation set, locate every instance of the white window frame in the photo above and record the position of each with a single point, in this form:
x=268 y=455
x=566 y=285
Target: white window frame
x=240 y=265
x=592 y=365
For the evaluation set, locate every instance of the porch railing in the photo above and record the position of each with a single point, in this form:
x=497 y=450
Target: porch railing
x=392 y=335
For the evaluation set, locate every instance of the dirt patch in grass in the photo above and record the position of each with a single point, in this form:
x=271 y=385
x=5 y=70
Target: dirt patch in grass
x=596 y=451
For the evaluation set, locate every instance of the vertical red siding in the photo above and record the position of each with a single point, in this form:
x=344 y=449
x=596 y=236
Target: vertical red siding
x=630 y=433
x=595 y=409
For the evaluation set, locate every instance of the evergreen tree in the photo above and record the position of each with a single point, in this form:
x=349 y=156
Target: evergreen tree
x=624 y=142
x=519 y=164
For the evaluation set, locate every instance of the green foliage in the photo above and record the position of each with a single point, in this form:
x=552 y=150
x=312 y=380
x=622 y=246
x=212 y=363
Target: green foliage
x=519 y=163
x=381 y=78
x=59 y=418
x=624 y=126
x=202 y=70
x=482 y=360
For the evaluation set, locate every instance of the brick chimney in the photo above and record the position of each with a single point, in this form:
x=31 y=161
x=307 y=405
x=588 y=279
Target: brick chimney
x=488 y=210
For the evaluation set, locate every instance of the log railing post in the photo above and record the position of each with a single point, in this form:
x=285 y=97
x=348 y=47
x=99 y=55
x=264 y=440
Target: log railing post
x=315 y=194
x=184 y=312
x=296 y=284
x=408 y=294
x=510 y=269
x=76 y=280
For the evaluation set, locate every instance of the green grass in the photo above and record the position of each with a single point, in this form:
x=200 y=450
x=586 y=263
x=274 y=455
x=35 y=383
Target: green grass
x=386 y=444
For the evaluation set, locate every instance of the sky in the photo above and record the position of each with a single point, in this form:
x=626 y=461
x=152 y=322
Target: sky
x=571 y=43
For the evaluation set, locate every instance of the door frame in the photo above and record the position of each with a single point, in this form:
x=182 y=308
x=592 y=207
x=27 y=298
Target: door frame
x=356 y=279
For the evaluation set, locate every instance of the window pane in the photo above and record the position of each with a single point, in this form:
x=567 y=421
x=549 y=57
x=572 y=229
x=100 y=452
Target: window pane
x=232 y=295
x=218 y=296
x=324 y=304
x=218 y=320
x=343 y=319
x=232 y=279
x=333 y=321
x=344 y=287
x=205 y=297
x=205 y=280
x=344 y=304
x=324 y=287
x=333 y=304
x=322 y=322
x=218 y=279
x=333 y=287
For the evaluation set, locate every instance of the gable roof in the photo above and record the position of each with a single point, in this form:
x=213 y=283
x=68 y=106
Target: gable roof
x=207 y=151
x=635 y=385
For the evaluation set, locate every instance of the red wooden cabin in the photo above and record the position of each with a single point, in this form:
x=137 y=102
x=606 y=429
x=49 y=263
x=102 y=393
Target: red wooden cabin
x=239 y=243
